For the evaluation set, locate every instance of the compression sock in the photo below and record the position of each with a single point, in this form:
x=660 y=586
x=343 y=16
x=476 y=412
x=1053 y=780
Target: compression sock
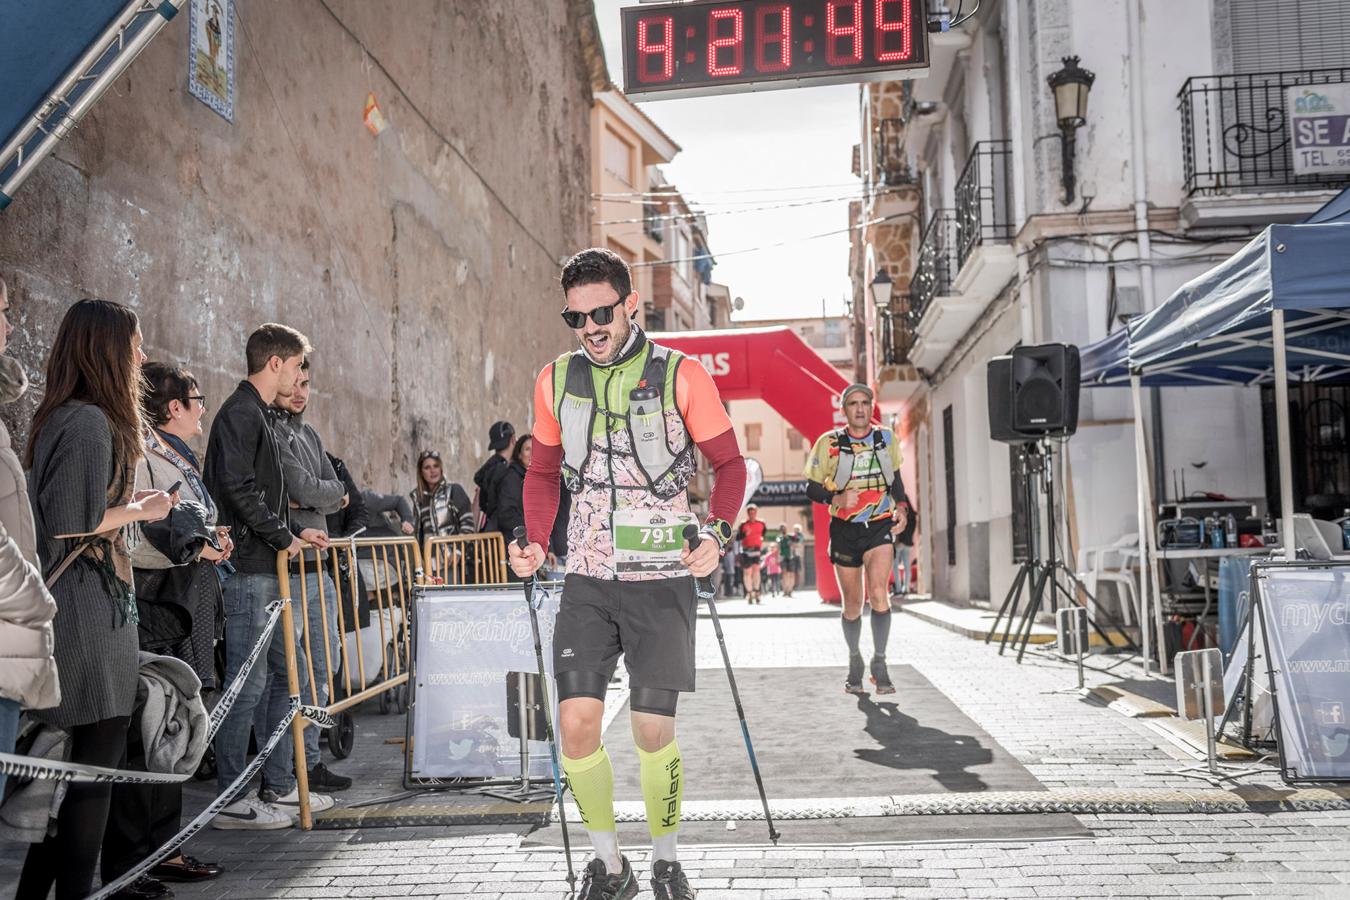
x=852 y=633
x=592 y=781
x=881 y=632
x=662 y=790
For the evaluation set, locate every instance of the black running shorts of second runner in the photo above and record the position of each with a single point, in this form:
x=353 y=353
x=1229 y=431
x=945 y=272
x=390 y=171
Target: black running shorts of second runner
x=651 y=623
x=850 y=540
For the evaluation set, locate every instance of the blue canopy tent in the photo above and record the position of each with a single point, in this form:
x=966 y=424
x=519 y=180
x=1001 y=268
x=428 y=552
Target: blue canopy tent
x=1277 y=309
x=56 y=60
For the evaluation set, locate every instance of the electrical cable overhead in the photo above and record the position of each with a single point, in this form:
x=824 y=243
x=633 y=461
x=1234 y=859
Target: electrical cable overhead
x=793 y=187
x=699 y=213
x=811 y=237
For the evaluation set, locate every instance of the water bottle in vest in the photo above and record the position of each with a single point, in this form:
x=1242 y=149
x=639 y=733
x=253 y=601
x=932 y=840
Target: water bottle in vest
x=646 y=416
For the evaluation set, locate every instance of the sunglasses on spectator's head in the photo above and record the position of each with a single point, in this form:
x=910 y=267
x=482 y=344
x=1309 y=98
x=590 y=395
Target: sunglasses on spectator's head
x=428 y=454
x=602 y=315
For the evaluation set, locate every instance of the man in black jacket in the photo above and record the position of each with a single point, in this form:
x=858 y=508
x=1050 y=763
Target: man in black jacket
x=244 y=477
x=488 y=478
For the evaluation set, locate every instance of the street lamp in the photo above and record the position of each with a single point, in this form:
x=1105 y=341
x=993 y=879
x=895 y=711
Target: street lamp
x=1071 y=84
x=881 y=289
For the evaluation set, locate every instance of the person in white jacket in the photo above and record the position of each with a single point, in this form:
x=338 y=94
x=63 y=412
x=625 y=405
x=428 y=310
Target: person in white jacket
x=27 y=669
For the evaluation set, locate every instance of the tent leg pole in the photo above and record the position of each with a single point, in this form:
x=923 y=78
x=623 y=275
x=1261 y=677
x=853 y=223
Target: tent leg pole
x=1145 y=558
x=1282 y=434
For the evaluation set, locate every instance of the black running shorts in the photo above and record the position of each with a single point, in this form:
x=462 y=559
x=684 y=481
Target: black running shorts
x=850 y=540
x=651 y=623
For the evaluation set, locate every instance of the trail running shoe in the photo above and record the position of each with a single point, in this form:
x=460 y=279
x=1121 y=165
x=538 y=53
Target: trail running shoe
x=598 y=884
x=881 y=677
x=854 y=683
x=669 y=883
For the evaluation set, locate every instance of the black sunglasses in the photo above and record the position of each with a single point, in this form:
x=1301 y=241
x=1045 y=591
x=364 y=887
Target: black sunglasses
x=601 y=316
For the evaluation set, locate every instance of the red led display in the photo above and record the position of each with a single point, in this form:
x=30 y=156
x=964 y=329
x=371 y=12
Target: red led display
x=685 y=49
x=650 y=51
x=726 y=25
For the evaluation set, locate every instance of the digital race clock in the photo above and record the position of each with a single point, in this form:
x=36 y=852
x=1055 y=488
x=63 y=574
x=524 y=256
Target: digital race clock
x=688 y=49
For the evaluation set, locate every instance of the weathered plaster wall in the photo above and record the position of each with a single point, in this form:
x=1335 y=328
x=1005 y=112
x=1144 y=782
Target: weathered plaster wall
x=421 y=263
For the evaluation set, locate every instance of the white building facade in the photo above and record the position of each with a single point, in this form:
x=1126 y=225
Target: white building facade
x=1182 y=154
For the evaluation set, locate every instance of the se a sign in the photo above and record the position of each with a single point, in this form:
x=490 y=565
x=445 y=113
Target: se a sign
x=781 y=493
x=693 y=49
x=1319 y=125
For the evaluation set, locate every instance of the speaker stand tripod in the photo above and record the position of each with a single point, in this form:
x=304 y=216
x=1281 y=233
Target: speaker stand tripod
x=1043 y=580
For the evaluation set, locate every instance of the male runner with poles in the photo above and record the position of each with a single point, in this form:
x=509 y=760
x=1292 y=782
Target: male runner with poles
x=855 y=471
x=618 y=421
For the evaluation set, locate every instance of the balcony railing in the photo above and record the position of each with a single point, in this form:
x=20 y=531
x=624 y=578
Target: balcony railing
x=936 y=265
x=984 y=198
x=1235 y=132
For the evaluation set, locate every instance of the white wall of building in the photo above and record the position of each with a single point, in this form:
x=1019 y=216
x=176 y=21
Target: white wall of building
x=991 y=88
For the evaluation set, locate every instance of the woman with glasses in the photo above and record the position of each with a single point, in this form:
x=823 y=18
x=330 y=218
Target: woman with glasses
x=143 y=817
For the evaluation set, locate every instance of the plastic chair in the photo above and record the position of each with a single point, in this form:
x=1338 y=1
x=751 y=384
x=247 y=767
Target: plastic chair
x=1114 y=564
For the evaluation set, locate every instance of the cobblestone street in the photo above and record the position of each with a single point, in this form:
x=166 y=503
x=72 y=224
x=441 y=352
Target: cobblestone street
x=1067 y=741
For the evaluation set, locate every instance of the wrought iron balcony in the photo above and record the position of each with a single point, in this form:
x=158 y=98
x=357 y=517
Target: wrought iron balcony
x=984 y=198
x=1235 y=133
x=936 y=266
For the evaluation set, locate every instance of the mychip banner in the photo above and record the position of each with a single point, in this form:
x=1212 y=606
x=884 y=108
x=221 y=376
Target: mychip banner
x=1306 y=611
x=472 y=647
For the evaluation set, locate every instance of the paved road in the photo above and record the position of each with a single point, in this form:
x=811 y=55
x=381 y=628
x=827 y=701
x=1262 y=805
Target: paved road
x=1065 y=740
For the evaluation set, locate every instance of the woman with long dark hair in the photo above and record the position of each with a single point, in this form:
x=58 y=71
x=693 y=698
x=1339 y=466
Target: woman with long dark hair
x=82 y=452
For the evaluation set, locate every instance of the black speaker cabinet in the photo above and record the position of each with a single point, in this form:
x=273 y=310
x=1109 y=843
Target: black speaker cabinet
x=1045 y=390
x=999 y=379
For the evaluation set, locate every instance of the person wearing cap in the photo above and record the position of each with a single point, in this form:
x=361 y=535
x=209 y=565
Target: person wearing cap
x=488 y=478
x=855 y=471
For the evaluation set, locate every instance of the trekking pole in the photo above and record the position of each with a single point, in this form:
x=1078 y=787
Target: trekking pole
x=705 y=592
x=519 y=535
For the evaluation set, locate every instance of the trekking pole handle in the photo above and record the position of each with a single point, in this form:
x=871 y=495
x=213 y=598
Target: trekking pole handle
x=704 y=582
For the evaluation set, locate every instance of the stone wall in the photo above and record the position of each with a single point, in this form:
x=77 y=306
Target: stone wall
x=421 y=263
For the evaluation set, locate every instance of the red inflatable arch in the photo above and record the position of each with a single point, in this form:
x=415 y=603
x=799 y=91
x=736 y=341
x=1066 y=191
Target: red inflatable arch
x=775 y=365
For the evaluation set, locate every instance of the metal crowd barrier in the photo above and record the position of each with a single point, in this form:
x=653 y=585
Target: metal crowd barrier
x=383 y=571
x=466 y=558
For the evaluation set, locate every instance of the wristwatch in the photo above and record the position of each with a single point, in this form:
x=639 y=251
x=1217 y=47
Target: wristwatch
x=719 y=530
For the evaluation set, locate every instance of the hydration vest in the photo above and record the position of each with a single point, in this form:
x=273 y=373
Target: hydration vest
x=881 y=446
x=644 y=397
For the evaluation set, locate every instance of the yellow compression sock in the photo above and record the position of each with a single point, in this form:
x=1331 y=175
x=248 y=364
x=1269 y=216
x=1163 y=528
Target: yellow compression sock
x=592 y=781
x=662 y=788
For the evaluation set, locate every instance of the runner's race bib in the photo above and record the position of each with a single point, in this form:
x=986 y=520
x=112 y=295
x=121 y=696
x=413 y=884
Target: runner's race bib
x=650 y=541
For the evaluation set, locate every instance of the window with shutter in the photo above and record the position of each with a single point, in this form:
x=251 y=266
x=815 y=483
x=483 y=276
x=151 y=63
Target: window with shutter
x=1279 y=35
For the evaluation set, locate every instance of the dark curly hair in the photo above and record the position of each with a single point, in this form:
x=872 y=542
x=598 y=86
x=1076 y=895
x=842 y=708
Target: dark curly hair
x=165 y=383
x=598 y=265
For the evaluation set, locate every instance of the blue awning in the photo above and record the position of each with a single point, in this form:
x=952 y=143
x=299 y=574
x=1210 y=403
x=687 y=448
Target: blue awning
x=56 y=59
x=1216 y=329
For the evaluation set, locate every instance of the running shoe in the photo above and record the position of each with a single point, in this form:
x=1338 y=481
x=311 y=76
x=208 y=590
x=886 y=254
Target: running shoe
x=598 y=884
x=669 y=883
x=881 y=676
x=854 y=683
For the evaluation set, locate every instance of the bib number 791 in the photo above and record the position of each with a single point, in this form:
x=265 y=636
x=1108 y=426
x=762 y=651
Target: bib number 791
x=661 y=537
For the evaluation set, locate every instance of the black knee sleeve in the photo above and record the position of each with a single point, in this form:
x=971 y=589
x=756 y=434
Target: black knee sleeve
x=573 y=683
x=653 y=701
